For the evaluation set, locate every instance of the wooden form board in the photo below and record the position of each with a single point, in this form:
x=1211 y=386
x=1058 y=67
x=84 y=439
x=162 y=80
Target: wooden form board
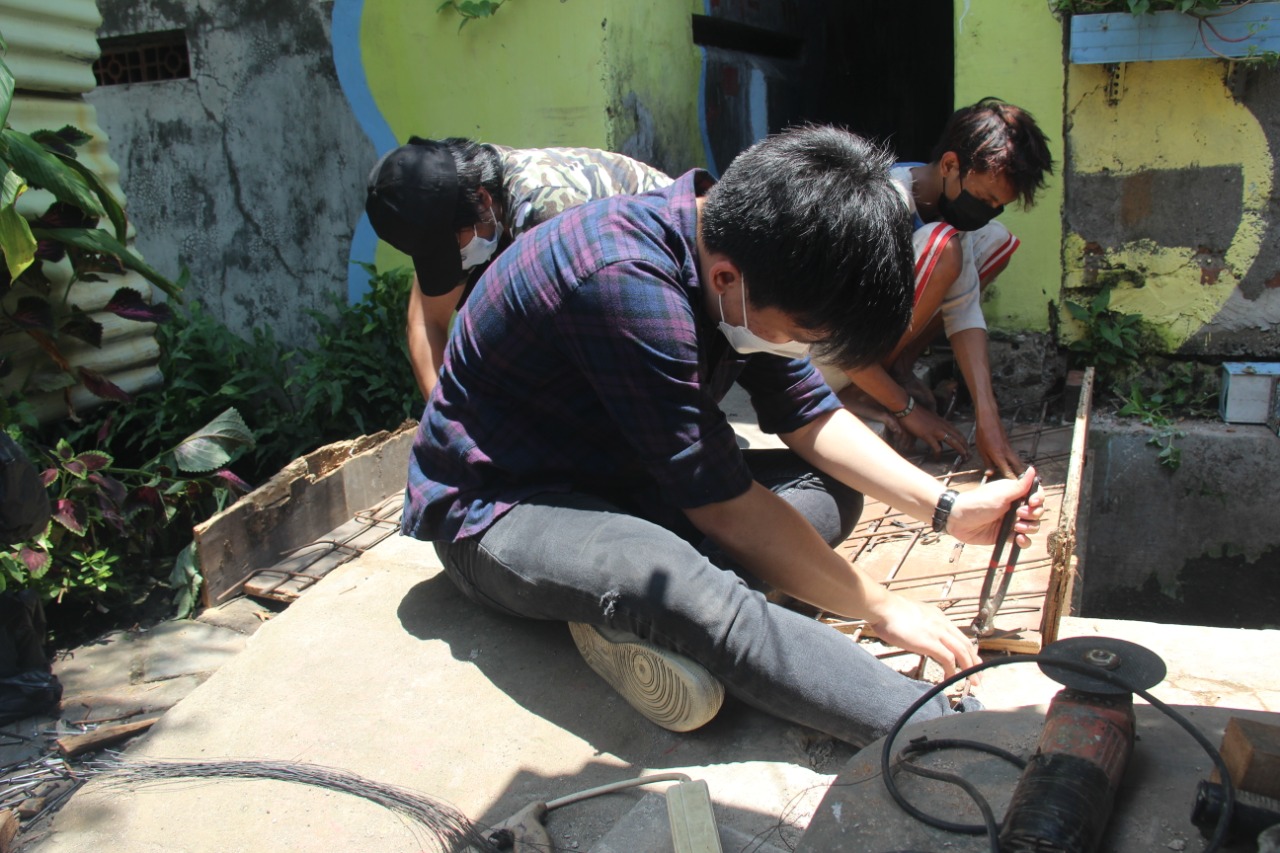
x=301 y=568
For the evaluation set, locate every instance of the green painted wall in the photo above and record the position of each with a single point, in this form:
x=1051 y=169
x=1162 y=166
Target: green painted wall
x=610 y=74
x=1013 y=50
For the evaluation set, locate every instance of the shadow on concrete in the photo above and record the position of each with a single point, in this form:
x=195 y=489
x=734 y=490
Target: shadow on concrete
x=536 y=664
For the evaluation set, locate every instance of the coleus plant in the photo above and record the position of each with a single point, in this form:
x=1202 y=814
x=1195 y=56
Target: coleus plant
x=102 y=512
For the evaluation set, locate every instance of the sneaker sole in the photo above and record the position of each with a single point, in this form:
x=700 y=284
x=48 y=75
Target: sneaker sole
x=670 y=690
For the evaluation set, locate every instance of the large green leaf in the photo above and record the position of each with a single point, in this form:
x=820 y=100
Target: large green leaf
x=185 y=578
x=48 y=171
x=97 y=240
x=114 y=211
x=6 y=87
x=213 y=445
x=16 y=240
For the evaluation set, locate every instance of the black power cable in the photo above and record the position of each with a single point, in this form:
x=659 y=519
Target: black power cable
x=989 y=826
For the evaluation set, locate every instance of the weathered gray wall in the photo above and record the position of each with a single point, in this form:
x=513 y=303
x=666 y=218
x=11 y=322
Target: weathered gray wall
x=1201 y=538
x=251 y=172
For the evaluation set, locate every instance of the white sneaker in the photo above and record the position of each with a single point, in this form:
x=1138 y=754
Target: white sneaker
x=667 y=688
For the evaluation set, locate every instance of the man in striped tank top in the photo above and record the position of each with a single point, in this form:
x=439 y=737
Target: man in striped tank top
x=991 y=154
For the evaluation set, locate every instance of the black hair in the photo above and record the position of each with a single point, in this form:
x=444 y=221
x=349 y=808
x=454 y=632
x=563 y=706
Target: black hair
x=820 y=232
x=478 y=166
x=995 y=136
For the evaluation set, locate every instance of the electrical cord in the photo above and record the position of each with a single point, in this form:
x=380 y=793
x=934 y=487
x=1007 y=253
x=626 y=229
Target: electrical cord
x=989 y=826
x=920 y=746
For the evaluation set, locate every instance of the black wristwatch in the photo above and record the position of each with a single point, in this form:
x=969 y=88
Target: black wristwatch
x=943 y=510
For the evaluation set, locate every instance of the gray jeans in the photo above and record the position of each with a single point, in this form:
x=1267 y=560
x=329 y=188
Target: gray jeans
x=580 y=558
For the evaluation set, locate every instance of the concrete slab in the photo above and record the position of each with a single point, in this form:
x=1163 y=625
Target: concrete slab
x=384 y=670
x=170 y=650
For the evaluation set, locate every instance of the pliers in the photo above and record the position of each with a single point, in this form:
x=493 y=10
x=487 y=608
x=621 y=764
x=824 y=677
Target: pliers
x=989 y=602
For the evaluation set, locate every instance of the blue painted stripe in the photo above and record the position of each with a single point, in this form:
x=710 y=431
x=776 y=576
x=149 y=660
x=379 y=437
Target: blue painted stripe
x=758 y=92
x=702 y=106
x=349 y=63
x=1121 y=37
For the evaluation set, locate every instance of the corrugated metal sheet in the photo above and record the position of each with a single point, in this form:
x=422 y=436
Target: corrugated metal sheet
x=52 y=46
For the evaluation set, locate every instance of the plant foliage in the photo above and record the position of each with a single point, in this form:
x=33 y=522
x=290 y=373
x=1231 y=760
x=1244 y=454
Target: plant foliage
x=471 y=10
x=104 y=512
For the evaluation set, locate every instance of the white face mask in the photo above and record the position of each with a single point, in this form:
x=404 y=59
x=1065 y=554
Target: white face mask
x=479 y=249
x=745 y=341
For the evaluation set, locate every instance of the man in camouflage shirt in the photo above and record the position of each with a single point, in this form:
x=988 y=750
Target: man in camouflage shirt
x=454 y=205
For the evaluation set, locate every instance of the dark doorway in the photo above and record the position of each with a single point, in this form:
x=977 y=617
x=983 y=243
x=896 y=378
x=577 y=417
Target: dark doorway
x=882 y=68
x=887 y=71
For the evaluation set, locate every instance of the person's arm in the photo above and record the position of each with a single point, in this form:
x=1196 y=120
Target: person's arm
x=771 y=540
x=922 y=423
x=427 y=330
x=970 y=347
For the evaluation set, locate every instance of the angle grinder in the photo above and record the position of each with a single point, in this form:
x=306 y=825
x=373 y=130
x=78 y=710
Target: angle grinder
x=1064 y=797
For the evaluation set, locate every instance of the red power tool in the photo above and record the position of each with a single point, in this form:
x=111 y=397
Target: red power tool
x=1064 y=797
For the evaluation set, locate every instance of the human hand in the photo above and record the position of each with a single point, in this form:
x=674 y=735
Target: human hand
x=904 y=374
x=935 y=431
x=976 y=515
x=923 y=629
x=993 y=444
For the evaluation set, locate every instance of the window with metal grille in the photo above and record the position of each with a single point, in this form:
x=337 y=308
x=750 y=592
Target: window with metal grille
x=143 y=58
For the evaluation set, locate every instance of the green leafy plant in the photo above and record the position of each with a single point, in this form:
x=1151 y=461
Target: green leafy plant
x=1154 y=413
x=104 y=513
x=359 y=367
x=471 y=10
x=355 y=378
x=1182 y=389
x=1111 y=338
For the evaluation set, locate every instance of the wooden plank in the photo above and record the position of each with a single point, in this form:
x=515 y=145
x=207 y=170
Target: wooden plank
x=298 y=572
x=1251 y=751
x=1062 y=541
x=8 y=830
x=72 y=745
x=309 y=497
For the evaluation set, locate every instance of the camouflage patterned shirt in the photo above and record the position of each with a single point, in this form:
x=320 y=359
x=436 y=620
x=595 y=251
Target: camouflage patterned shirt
x=542 y=182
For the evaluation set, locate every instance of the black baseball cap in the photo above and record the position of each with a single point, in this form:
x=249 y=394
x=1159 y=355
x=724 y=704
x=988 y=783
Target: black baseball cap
x=412 y=196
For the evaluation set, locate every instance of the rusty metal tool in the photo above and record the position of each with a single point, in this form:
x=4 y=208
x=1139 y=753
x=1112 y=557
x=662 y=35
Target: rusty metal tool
x=992 y=593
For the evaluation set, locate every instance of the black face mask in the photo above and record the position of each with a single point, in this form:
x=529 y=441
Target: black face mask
x=967 y=212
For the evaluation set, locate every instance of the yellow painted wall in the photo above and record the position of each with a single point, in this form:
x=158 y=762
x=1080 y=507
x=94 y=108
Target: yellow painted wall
x=538 y=73
x=1168 y=115
x=1013 y=50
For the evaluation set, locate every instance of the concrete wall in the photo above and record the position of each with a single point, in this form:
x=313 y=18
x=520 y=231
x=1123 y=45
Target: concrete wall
x=252 y=171
x=1198 y=543
x=1170 y=200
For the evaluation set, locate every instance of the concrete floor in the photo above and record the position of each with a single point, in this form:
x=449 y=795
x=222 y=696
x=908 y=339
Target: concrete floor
x=383 y=670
